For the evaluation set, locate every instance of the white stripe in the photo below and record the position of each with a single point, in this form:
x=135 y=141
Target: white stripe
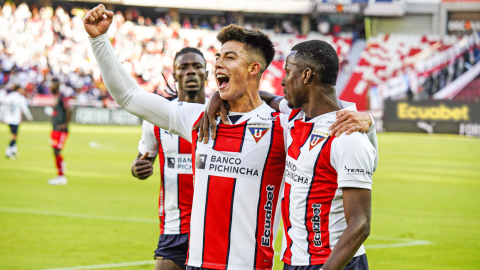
x=74 y=215
x=99 y=266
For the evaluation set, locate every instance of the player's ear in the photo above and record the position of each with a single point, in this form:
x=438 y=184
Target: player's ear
x=206 y=75
x=174 y=76
x=307 y=76
x=254 y=68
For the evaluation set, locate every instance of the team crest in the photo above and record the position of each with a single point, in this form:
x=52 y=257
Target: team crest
x=315 y=140
x=258 y=132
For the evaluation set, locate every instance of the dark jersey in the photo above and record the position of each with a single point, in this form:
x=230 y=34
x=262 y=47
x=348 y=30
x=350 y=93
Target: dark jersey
x=59 y=115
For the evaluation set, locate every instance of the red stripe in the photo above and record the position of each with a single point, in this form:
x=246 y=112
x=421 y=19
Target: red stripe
x=184 y=146
x=270 y=191
x=322 y=192
x=293 y=113
x=185 y=198
x=217 y=221
x=287 y=256
x=194 y=145
x=300 y=133
x=230 y=138
x=161 y=198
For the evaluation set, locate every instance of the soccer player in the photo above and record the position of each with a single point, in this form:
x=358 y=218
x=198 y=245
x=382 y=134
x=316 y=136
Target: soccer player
x=175 y=155
x=12 y=107
x=238 y=176
x=327 y=195
x=60 y=119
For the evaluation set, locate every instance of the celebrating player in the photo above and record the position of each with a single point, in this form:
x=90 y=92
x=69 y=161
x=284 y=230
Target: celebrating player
x=238 y=177
x=12 y=108
x=60 y=118
x=327 y=194
x=176 y=191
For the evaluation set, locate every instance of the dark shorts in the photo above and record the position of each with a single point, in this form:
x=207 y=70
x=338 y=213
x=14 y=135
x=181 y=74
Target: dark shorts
x=173 y=247
x=13 y=129
x=357 y=263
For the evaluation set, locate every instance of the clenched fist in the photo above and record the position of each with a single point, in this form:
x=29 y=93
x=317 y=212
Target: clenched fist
x=97 y=21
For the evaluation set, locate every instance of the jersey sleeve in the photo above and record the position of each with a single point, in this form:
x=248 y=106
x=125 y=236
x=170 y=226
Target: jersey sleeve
x=183 y=116
x=353 y=157
x=148 y=142
x=125 y=90
x=372 y=137
x=283 y=106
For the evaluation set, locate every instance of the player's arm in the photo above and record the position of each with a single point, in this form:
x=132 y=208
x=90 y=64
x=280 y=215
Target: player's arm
x=353 y=158
x=123 y=88
x=68 y=114
x=271 y=100
x=142 y=166
x=26 y=111
x=357 y=207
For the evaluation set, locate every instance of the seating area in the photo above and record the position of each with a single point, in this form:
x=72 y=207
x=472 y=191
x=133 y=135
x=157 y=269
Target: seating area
x=394 y=64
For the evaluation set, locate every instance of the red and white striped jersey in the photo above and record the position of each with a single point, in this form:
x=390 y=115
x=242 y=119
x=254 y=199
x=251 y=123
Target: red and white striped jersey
x=176 y=189
x=238 y=181
x=317 y=168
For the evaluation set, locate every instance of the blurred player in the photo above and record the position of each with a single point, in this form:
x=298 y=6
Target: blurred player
x=13 y=105
x=238 y=177
x=175 y=157
x=60 y=119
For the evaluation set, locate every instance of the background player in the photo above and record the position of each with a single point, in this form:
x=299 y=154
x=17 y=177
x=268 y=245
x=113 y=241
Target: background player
x=60 y=119
x=12 y=107
x=175 y=158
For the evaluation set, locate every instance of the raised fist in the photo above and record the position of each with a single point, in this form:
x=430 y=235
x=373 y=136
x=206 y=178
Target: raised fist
x=97 y=21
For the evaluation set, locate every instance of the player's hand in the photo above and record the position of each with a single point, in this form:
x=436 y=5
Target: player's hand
x=62 y=126
x=142 y=168
x=97 y=21
x=207 y=123
x=349 y=122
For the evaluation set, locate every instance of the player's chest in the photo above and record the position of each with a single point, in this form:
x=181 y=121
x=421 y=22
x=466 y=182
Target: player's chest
x=304 y=153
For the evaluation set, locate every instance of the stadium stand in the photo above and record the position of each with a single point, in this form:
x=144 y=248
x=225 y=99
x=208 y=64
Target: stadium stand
x=394 y=66
x=38 y=46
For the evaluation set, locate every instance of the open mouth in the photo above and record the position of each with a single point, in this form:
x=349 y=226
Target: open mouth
x=222 y=80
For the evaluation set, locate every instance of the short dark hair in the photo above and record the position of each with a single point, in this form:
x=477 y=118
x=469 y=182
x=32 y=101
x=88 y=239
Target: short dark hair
x=188 y=50
x=16 y=87
x=322 y=56
x=254 y=39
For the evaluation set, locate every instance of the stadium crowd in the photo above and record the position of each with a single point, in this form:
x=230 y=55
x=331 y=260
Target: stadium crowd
x=39 y=45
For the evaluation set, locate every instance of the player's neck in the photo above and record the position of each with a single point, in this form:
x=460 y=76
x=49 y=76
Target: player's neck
x=319 y=104
x=246 y=103
x=198 y=98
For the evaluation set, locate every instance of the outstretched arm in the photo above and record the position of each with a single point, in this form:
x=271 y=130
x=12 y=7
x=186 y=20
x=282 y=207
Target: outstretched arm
x=120 y=84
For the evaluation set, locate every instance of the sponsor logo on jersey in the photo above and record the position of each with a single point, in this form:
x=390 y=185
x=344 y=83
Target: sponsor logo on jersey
x=267 y=118
x=230 y=165
x=317 y=238
x=180 y=163
x=258 y=132
x=357 y=171
x=168 y=133
x=224 y=164
x=267 y=232
x=291 y=173
x=315 y=140
x=201 y=160
x=171 y=162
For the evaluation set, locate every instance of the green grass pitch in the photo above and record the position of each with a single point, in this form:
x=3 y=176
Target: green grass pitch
x=426 y=204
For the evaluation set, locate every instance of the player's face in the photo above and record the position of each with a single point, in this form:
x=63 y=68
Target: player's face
x=231 y=70
x=190 y=73
x=293 y=83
